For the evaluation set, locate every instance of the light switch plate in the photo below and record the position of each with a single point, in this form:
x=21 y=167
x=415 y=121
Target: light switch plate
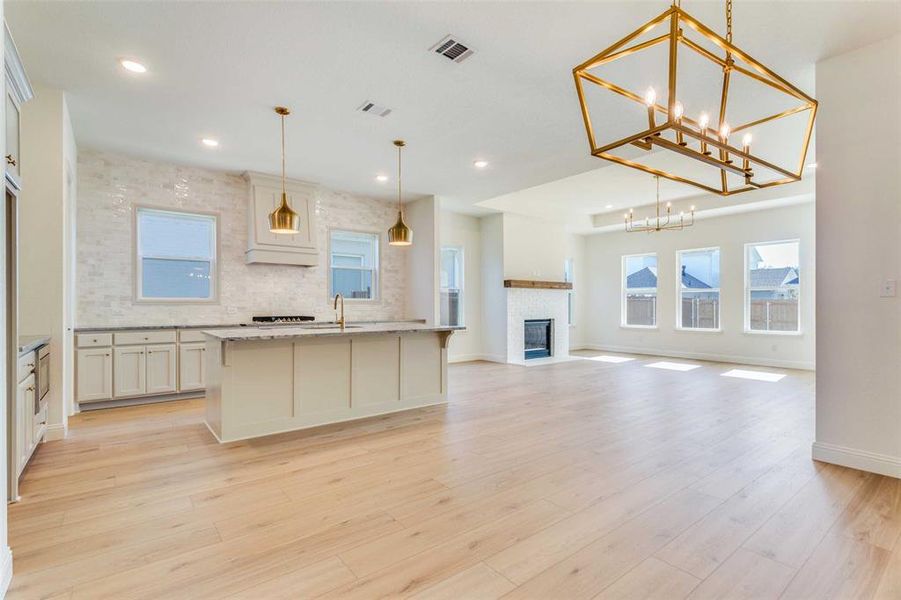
x=889 y=288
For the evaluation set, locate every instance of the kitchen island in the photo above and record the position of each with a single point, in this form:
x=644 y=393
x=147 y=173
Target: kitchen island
x=271 y=379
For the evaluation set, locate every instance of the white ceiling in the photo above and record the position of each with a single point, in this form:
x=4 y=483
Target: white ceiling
x=216 y=69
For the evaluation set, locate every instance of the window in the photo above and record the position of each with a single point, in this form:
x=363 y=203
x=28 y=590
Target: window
x=354 y=264
x=772 y=287
x=699 y=289
x=568 y=278
x=175 y=256
x=452 y=286
x=640 y=290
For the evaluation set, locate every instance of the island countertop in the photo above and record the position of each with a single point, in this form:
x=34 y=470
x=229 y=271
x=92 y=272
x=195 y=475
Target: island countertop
x=278 y=332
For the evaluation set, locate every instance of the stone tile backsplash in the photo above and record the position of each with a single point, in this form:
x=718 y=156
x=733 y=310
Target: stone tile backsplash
x=111 y=185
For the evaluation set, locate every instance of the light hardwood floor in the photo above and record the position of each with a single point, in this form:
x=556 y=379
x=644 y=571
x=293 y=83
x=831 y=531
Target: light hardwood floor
x=583 y=479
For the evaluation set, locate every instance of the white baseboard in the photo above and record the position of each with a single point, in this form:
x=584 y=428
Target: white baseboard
x=57 y=431
x=471 y=357
x=6 y=570
x=857 y=459
x=726 y=358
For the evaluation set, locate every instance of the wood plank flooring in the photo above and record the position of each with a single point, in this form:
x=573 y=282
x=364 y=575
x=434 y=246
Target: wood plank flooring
x=584 y=479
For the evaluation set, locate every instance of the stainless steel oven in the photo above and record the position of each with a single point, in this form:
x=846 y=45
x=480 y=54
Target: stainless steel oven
x=42 y=377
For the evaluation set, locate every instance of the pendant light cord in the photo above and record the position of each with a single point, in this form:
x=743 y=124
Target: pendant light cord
x=400 y=205
x=283 y=158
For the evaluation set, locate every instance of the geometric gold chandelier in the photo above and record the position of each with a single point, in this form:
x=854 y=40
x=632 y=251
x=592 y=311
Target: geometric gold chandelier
x=659 y=222
x=679 y=139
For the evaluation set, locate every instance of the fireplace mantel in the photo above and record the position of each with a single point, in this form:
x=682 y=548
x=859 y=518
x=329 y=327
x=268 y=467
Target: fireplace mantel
x=537 y=285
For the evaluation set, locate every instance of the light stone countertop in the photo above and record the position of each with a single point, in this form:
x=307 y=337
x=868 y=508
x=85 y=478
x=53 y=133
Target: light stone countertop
x=30 y=343
x=320 y=330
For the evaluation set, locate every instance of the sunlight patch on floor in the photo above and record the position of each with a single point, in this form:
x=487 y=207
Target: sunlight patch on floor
x=755 y=375
x=609 y=359
x=673 y=366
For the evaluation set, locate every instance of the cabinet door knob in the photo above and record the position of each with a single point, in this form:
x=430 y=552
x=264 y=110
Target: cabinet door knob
x=10 y=160
x=31 y=365
x=30 y=388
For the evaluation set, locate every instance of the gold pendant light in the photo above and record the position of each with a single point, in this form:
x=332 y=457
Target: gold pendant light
x=283 y=219
x=400 y=233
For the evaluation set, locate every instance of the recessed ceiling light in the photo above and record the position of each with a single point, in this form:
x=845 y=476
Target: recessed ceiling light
x=133 y=66
x=381 y=178
x=812 y=166
x=609 y=206
x=480 y=164
x=209 y=142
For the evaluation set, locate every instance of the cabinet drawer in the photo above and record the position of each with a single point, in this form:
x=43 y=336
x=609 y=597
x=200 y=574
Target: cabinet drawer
x=191 y=335
x=26 y=365
x=145 y=337
x=93 y=340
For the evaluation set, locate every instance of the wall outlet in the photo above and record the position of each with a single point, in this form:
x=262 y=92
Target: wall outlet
x=889 y=288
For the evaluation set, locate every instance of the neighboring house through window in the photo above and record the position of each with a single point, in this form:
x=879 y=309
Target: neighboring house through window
x=175 y=256
x=773 y=287
x=699 y=289
x=639 y=302
x=451 y=286
x=354 y=264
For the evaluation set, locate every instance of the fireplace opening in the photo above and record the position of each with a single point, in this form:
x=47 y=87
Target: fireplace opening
x=539 y=335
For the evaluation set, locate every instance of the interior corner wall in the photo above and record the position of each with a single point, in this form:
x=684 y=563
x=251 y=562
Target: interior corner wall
x=494 y=295
x=575 y=250
x=6 y=563
x=858 y=403
x=465 y=232
x=604 y=252
x=422 y=260
x=41 y=237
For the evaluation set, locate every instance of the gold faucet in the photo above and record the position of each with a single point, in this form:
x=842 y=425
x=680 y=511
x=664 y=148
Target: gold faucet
x=340 y=319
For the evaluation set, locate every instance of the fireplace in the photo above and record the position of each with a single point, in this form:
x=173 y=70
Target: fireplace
x=538 y=338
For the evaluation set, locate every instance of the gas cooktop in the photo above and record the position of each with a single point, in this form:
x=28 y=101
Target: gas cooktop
x=283 y=319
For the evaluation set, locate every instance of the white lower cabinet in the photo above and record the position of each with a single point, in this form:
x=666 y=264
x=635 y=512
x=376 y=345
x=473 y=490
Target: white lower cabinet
x=162 y=369
x=94 y=374
x=130 y=369
x=25 y=438
x=192 y=367
x=129 y=364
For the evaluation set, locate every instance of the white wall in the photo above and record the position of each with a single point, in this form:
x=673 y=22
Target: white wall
x=533 y=248
x=858 y=421
x=422 y=259
x=575 y=250
x=48 y=153
x=604 y=254
x=494 y=296
x=109 y=187
x=465 y=231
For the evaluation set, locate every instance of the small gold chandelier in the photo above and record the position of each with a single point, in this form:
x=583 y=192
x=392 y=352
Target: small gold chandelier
x=659 y=223
x=283 y=219
x=700 y=152
x=400 y=233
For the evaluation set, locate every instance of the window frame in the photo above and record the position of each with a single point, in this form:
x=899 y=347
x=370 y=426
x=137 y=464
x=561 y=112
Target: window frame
x=137 y=283
x=569 y=275
x=747 y=290
x=461 y=269
x=718 y=290
x=624 y=290
x=376 y=270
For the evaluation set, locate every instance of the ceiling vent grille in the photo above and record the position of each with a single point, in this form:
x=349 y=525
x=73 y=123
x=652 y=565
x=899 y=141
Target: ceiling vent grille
x=371 y=108
x=452 y=48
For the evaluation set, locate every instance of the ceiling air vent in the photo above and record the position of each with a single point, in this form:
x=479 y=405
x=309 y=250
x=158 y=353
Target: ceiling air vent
x=372 y=108
x=452 y=48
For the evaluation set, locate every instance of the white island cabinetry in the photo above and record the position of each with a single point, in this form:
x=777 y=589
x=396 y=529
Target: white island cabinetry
x=262 y=381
